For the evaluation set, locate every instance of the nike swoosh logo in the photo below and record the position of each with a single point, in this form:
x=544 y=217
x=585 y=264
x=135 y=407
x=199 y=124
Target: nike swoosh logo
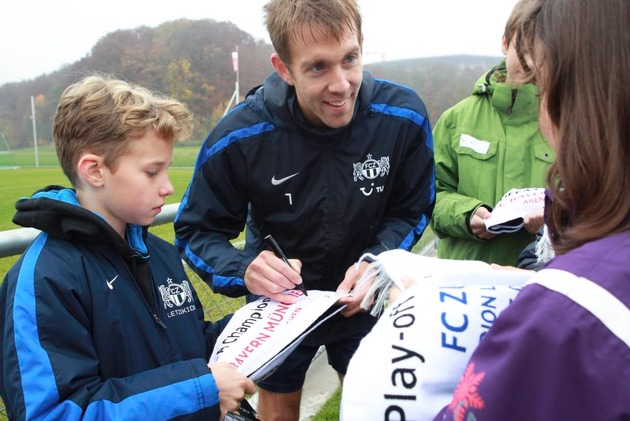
x=109 y=283
x=277 y=182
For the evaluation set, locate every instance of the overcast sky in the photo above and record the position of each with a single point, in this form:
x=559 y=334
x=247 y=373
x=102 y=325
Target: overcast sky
x=40 y=36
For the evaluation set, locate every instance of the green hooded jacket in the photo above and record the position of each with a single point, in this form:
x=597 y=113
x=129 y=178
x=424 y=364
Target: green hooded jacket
x=486 y=145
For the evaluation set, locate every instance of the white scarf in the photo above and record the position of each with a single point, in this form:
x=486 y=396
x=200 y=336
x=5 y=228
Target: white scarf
x=409 y=365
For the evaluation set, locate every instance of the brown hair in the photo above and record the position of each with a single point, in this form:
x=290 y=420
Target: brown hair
x=519 y=24
x=582 y=63
x=101 y=115
x=284 y=20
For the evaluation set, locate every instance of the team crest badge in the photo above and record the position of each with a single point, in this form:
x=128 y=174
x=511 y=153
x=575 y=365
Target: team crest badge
x=371 y=168
x=175 y=294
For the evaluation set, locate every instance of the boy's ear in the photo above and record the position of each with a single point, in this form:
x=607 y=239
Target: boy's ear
x=281 y=68
x=90 y=169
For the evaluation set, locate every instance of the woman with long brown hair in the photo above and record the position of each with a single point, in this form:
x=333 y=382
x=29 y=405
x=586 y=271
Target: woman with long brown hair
x=561 y=350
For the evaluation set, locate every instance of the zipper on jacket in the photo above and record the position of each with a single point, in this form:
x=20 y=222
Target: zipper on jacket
x=511 y=107
x=149 y=301
x=144 y=280
x=162 y=326
x=159 y=321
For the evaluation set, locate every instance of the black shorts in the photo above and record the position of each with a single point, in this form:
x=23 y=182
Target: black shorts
x=339 y=334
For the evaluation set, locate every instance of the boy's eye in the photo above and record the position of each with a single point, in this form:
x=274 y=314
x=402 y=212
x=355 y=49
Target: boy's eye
x=151 y=173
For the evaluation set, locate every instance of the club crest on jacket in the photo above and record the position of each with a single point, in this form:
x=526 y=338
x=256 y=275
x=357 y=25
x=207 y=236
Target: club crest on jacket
x=175 y=294
x=371 y=168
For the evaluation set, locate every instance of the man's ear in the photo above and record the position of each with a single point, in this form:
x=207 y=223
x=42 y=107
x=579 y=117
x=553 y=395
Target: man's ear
x=281 y=68
x=90 y=170
x=504 y=45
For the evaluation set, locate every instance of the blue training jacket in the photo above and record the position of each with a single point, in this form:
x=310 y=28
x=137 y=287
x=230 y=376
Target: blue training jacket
x=80 y=339
x=326 y=195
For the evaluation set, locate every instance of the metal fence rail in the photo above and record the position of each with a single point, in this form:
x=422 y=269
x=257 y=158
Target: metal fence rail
x=15 y=241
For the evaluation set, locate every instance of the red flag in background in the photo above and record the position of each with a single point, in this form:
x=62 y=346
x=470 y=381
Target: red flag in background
x=235 y=60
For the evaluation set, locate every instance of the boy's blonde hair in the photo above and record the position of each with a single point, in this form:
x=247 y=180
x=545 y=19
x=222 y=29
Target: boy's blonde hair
x=102 y=115
x=284 y=20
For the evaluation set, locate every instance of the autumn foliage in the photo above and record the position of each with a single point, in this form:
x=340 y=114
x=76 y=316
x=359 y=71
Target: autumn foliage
x=191 y=60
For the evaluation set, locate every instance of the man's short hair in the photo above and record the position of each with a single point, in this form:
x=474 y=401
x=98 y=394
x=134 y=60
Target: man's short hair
x=285 y=20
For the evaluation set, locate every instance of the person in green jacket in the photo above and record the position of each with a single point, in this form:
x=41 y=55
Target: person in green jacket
x=486 y=145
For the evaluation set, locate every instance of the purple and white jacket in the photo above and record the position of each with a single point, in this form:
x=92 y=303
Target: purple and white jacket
x=548 y=357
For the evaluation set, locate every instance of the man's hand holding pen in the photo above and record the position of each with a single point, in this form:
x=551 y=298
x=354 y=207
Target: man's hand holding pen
x=279 y=253
x=270 y=276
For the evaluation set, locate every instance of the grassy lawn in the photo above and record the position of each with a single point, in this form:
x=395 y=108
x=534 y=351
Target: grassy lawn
x=330 y=410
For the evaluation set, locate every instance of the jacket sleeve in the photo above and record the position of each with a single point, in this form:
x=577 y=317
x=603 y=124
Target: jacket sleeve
x=50 y=368
x=451 y=217
x=410 y=206
x=213 y=212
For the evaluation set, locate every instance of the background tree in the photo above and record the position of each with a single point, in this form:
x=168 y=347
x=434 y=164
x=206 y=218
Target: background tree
x=191 y=60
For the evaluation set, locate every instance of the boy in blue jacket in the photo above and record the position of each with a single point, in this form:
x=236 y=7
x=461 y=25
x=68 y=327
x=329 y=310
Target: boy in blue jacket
x=99 y=319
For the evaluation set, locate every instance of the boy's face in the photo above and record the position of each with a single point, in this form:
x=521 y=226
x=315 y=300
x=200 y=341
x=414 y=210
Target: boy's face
x=136 y=191
x=326 y=74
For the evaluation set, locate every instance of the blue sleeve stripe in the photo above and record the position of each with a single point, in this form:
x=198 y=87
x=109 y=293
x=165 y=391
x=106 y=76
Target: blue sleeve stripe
x=177 y=399
x=410 y=115
x=218 y=281
x=182 y=205
x=416 y=231
x=171 y=401
x=432 y=191
x=206 y=153
x=426 y=126
x=227 y=281
x=429 y=140
x=232 y=137
x=194 y=259
x=38 y=381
